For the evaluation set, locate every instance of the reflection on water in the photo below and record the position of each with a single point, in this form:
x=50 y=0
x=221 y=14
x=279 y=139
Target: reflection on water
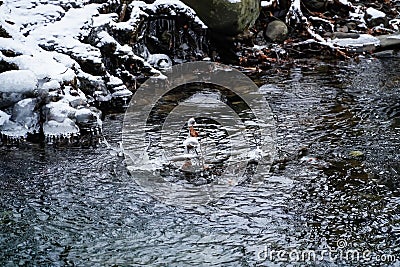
x=336 y=178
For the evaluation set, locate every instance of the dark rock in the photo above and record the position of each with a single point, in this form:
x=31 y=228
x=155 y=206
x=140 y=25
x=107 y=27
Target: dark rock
x=4 y=33
x=317 y=5
x=342 y=35
x=6 y=66
x=390 y=41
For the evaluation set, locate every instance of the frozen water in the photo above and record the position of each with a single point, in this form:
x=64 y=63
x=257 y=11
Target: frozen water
x=54 y=129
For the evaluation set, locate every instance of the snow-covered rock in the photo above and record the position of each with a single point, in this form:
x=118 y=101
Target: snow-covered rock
x=58 y=57
x=160 y=61
x=58 y=111
x=18 y=81
x=375 y=17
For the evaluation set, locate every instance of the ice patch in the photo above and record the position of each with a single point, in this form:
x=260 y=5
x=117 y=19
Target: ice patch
x=363 y=40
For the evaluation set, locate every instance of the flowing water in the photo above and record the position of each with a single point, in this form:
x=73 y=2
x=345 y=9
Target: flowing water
x=334 y=187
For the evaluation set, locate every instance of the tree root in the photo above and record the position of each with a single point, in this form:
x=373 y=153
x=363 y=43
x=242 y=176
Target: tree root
x=297 y=19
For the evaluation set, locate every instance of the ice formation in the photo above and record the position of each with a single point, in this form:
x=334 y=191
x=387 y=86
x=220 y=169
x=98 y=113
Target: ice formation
x=58 y=59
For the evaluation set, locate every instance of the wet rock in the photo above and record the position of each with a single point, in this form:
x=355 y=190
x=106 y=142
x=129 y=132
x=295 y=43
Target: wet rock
x=119 y=92
x=342 y=35
x=89 y=120
x=226 y=17
x=90 y=83
x=276 y=31
x=390 y=41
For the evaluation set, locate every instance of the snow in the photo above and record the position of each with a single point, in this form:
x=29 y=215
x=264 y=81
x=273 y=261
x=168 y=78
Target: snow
x=396 y=37
x=10 y=44
x=18 y=81
x=344 y=2
x=51 y=85
x=114 y=81
x=77 y=99
x=362 y=40
x=69 y=25
x=268 y=3
x=122 y=93
x=374 y=13
x=161 y=61
x=42 y=65
x=59 y=111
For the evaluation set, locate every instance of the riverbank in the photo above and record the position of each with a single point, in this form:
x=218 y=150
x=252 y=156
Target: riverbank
x=63 y=65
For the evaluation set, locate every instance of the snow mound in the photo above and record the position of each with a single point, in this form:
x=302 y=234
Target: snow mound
x=18 y=81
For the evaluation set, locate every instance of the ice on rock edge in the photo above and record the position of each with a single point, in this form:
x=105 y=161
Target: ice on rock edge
x=4 y=117
x=23 y=121
x=53 y=129
x=25 y=114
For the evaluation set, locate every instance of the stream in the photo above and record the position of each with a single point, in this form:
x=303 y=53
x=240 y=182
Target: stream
x=334 y=186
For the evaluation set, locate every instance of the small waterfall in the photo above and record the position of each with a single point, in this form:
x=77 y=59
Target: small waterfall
x=178 y=38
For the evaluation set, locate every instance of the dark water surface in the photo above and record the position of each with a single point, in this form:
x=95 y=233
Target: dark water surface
x=335 y=187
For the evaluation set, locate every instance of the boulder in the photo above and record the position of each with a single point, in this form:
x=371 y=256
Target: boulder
x=228 y=17
x=276 y=31
x=389 y=41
